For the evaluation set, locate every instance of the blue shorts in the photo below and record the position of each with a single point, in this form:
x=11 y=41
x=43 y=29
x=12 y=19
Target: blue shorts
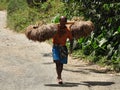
x=56 y=55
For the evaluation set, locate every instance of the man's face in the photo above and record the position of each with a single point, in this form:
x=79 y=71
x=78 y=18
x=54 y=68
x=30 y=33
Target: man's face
x=63 y=21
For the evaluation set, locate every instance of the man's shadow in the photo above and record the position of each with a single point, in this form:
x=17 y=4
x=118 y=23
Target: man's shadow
x=85 y=83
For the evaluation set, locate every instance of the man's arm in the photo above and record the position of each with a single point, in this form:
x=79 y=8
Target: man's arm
x=70 y=23
x=71 y=45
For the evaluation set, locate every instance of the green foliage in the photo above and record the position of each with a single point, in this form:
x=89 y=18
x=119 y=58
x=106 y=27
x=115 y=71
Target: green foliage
x=49 y=10
x=56 y=19
x=21 y=13
x=3 y=4
x=15 y=5
x=35 y=3
x=104 y=41
x=17 y=14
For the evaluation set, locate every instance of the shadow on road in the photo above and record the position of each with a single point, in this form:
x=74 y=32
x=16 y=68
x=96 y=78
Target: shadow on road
x=48 y=63
x=77 y=71
x=87 y=71
x=86 y=83
x=47 y=54
x=63 y=85
x=97 y=83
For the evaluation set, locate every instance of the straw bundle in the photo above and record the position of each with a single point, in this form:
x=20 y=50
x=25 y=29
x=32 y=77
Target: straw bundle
x=41 y=33
x=44 y=32
x=31 y=32
x=82 y=29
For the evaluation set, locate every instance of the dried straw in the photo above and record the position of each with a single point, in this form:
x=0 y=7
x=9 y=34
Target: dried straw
x=41 y=33
x=44 y=32
x=82 y=29
x=31 y=32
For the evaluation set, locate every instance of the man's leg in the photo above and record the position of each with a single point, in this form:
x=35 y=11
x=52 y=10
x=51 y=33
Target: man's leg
x=59 y=68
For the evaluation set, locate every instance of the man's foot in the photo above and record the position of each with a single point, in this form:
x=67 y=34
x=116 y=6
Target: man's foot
x=60 y=81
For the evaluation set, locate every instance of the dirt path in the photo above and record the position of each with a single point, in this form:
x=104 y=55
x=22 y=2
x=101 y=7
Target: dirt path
x=27 y=65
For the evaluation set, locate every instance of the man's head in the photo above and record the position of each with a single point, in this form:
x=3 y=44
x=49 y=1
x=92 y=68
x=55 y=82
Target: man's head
x=63 y=20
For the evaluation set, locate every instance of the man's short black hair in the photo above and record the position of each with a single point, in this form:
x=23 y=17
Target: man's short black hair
x=63 y=17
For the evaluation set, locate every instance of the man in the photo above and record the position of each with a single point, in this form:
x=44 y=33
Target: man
x=59 y=50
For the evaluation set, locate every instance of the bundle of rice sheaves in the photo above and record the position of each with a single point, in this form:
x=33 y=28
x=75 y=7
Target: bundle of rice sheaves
x=44 y=32
x=82 y=29
x=31 y=32
x=41 y=33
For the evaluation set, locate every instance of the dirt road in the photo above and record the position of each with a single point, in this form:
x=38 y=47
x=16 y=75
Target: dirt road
x=27 y=65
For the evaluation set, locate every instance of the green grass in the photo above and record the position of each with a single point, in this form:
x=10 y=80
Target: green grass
x=20 y=15
x=3 y=4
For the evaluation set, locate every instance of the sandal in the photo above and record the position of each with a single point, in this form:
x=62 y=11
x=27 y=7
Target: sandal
x=60 y=81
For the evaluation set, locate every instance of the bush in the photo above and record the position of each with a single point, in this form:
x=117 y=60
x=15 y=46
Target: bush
x=104 y=41
x=3 y=4
x=17 y=14
x=21 y=14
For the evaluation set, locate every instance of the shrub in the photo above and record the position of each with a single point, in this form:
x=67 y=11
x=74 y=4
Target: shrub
x=104 y=40
x=20 y=14
x=3 y=4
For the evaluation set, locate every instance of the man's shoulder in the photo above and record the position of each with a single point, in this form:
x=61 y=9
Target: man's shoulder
x=68 y=30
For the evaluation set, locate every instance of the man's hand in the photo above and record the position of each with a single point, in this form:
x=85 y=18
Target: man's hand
x=70 y=51
x=71 y=46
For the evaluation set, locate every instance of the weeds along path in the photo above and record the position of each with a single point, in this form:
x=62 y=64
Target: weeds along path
x=28 y=65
